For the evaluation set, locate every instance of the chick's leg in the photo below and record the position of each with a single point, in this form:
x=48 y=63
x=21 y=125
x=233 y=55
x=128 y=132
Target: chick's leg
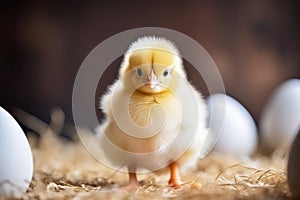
x=175 y=180
x=133 y=183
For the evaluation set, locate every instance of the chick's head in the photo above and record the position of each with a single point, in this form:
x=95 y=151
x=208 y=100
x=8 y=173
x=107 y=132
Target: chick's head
x=152 y=65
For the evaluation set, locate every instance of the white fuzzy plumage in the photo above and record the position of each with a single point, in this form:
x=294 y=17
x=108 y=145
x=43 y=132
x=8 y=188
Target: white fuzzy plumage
x=178 y=117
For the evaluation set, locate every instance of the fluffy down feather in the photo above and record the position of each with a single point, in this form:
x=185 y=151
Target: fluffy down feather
x=152 y=93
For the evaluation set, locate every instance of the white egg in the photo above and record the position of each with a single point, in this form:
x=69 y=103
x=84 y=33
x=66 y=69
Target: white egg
x=280 y=119
x=293 y=167
x=238 y=133
x=16 y=162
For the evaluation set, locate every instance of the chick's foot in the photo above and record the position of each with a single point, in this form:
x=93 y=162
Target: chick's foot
x=133 y=184
x=175 y=180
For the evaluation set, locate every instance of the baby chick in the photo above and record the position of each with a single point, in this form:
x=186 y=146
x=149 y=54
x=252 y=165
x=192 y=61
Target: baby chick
x=154 y=117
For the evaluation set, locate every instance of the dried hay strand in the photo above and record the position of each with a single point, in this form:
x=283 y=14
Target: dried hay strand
x=65 y=170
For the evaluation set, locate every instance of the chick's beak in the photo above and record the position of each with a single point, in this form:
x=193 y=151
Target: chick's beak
x=152 y=79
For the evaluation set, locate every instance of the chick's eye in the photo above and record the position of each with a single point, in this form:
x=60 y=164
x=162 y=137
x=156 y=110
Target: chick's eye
x=139 y=72
x=166 y=72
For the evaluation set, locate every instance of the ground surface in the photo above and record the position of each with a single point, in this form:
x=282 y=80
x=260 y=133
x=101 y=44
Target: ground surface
x=65 y=170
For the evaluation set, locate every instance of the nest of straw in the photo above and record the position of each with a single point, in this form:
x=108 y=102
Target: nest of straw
x=65 y=170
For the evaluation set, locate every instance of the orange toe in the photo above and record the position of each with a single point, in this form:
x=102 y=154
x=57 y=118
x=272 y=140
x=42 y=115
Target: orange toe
x=131 y=187
x=175 y=183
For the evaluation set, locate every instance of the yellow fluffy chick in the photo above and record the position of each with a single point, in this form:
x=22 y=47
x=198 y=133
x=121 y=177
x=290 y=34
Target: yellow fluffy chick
x=155 y=119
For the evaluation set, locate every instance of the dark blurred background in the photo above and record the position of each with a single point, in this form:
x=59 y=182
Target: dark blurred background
x=255 y=44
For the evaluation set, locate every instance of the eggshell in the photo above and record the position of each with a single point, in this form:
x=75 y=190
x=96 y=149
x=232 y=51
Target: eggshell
x=16 y=162
x=238 y=133
x=294 y=166
x=281 y=117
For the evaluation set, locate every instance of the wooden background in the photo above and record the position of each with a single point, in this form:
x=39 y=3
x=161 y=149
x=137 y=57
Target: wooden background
x=255 y=45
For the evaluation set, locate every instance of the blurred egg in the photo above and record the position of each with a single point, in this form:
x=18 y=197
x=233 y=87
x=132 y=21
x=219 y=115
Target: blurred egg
x=16 y=162
x=281 y=117
x=294 y=166
x=238 y=133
